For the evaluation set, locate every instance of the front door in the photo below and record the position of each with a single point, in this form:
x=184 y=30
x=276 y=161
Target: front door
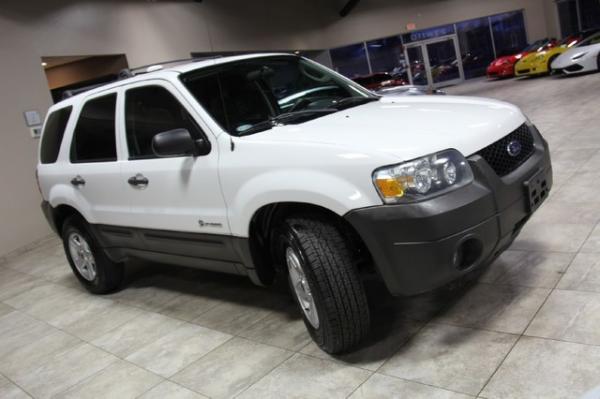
x=435 y=63
x=179 y=193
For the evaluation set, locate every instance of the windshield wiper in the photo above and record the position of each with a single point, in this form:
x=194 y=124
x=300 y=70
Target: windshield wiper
x=285 y=118
x=348 y=102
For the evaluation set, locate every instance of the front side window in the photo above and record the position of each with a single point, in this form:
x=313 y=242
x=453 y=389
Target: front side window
x=151 y=110
x=94 y=136
x=53 y=134
x=253 y=95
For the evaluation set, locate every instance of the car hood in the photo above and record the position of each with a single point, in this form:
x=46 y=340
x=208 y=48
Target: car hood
x=527 y=59
x=510 y=58
x=406 y=127
x=566 y=56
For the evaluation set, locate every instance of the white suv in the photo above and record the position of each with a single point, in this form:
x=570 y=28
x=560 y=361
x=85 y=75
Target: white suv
x=272 y=165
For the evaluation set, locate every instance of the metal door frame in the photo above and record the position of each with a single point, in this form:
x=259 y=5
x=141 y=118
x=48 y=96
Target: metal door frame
x=423 y=44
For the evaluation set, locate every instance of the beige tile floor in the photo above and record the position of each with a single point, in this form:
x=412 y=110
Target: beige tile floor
x=528 y=328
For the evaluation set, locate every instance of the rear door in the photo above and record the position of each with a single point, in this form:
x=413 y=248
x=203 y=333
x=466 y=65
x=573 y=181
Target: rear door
x=181 y=193
x=90 y=171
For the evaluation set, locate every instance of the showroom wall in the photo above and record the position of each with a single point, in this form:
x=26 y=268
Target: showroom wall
x=146 y=32
x=150 y=31
x=379 y=18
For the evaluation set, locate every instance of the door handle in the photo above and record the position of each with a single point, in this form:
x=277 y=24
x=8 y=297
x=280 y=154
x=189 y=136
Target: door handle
x=139 y=180
x=78 y=181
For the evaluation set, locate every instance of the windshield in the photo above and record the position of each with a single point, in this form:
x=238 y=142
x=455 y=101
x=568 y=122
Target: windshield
x=256 y=94
x=594 y=39
x=535 y=45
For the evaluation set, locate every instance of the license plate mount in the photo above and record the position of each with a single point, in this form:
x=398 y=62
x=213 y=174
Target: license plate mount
x=537 y=189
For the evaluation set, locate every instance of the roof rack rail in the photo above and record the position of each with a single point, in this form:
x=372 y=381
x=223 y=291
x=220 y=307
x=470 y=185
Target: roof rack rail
x=72 y=92
x=159 y=65
x=127 y=73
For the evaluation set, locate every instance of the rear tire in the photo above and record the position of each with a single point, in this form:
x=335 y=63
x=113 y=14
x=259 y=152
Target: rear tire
x=324 y=280
x=94 y=270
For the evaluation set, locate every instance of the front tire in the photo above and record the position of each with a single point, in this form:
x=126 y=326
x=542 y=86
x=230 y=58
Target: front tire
x=550 y=61
x=94 y=270
x=324 y=282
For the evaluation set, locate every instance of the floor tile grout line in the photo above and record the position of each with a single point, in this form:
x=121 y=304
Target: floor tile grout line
x=83 y=341
x=147 y=311
x=425 y=384
x=525 y=329
x=151 y=388
x=470 y=327
x=552 y=290
x=17 y=385
x=292 y=354
x=125 y=303
x=372 y=373
x=412 y=337
x=586 y=239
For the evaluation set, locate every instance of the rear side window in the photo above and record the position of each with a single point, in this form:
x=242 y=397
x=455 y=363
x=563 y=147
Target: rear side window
x=94 y=136
x=53 y=134
x=151 y=110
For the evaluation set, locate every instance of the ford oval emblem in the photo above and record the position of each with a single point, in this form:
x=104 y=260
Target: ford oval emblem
x=514 y=148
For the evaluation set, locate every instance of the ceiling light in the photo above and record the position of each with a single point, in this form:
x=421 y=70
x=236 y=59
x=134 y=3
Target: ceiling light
x=44 y=64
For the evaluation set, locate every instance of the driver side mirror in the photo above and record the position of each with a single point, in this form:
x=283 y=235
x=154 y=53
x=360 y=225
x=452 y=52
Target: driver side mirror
x=178 y=142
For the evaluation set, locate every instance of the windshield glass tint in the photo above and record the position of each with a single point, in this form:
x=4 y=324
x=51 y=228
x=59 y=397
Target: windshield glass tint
x=535 y=46
x=594 y=39
x=240 y=95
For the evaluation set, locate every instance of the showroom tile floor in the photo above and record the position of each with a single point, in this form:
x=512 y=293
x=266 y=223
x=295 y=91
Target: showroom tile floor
x=529 y=327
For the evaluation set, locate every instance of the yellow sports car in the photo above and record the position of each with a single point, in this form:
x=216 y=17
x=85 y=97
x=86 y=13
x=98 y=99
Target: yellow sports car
x=539 y=62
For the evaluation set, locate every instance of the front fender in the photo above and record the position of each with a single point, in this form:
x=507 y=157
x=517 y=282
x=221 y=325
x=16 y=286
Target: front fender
x=305 y=186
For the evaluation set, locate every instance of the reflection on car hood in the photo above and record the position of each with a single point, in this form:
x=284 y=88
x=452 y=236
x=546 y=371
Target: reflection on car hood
x=578 y=50
x=407 y=127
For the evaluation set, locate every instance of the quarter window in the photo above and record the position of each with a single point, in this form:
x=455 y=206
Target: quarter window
x=53 y=134
x=151 y=110
x=94 y=136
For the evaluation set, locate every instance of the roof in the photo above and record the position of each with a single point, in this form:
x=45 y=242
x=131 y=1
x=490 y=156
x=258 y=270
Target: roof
x=161 y=73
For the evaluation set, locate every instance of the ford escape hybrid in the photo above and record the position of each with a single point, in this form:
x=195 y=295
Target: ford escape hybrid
x=273 y=166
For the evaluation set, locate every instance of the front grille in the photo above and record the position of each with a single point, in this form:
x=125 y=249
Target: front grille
x=524 y=70
x=497 y=154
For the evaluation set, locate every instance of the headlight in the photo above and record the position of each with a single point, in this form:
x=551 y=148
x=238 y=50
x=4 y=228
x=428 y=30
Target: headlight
x=577 y=56
x=422 y=177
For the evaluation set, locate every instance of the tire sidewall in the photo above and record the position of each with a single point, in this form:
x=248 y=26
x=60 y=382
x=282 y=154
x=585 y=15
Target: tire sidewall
x=76 y=225
x=289 y=238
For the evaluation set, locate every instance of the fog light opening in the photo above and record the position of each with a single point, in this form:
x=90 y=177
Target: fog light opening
x=468 y=252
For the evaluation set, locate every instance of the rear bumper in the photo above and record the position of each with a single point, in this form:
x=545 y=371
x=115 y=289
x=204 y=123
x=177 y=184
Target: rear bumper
x=421 y=246
x=48 y=212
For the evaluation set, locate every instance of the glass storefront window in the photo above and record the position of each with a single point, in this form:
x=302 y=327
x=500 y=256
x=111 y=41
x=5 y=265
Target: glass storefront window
x=567 y=15
x=417 y=66
x=509 y=32
x=350 y=61
x=387 y=55
x=476 y=48
x=590 y=14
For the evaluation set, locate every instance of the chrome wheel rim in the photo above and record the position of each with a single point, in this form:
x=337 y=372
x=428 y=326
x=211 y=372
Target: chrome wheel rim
x=301 y=287
x=82 y=256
